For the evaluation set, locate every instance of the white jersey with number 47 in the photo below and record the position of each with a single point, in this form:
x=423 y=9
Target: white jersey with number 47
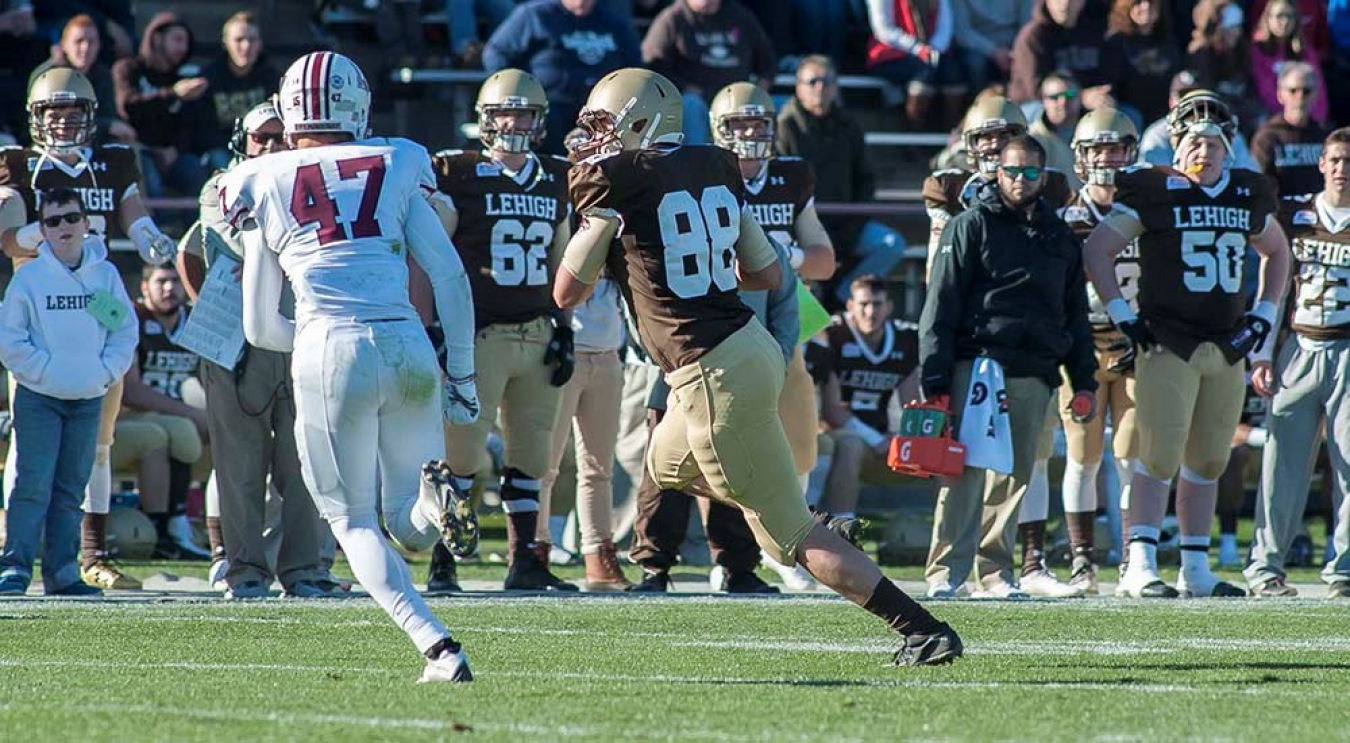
x=335 y=216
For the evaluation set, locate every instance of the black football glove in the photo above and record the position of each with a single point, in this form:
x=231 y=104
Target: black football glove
x=436 y=335
x=560 y=355
x=1137 y=338
x=1254 y=331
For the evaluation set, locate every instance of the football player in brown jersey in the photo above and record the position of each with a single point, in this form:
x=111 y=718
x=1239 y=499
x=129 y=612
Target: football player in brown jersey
x=1104 y=142
x=1312 y=367
x=667 y=221
x=506 y=209
x=61 y=107
x=988 y=125
x=1193 y=330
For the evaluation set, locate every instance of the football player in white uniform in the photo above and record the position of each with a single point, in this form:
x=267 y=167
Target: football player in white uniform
x=335 y=214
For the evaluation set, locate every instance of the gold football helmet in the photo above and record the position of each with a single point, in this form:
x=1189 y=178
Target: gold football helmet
x=992 y=115
x=629 y=109
x=1103 y=126
x=1202 y=113
x=733 y=108
x=61 y=106
x=510 y=90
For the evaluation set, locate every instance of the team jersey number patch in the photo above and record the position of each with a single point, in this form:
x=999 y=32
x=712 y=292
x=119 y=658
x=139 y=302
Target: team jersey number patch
x=1213 y=259
x=699 y=236
x=520 y=252
x=312 y=201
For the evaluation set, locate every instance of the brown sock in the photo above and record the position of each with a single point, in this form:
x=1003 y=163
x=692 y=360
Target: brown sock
x=93 y=538
x=1032 y=534
x=1081 y=538
x=216 y=536
x=900 y=612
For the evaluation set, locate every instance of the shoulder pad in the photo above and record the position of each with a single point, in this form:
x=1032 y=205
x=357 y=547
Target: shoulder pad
x=114 y=146
x=449 y=153
x=947 y=172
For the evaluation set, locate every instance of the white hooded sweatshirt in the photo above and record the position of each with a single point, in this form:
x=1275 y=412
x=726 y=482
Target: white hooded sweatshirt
x=48 y=338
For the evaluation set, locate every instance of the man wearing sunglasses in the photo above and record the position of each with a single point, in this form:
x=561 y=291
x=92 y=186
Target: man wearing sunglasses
x=251 y=420
x=1061 y=107
x=1007 y=285
x=1288 y=145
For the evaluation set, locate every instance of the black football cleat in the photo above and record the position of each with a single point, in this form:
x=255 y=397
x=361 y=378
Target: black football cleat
x=529 y=573
x=442 y=575
x=459 y=521
x=848 y=529
x=936 y=648
x=653 y=581
x=747 y=582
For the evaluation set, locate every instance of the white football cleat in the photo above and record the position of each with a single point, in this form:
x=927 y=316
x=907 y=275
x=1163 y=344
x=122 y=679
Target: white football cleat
x=450 y=667
x=1000 y=589
x=716 y=577
x=948 y=591
x=1201 y=583
x=1143 y=582
x=1044 y=584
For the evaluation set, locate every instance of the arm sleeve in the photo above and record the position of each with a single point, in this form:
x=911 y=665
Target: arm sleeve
x=944 y=306
x=784 y=323
x=17 y=350
x=434 y=252
x=264 y=325
x=1081 y=361
x=120 y=349
x=881 y=17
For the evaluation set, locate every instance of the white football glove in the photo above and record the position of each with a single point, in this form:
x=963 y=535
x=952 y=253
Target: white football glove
x=155 y=247
x=461 y=400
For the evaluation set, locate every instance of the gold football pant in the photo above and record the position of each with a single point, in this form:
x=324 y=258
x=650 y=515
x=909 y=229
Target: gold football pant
x=1115 y=394
x=799 y=412
x=511 y=377
x=1186 y=411
x=722 y=422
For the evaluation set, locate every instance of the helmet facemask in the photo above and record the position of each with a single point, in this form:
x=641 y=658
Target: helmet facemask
x=1103 y=175
x=758 y=144
x=597 y=135
x=1203 y=114
x=62 y=137
x=514 y=141
x=986 y=158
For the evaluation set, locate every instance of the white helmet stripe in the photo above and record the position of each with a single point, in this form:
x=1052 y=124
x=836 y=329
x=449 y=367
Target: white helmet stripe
x=304 y=100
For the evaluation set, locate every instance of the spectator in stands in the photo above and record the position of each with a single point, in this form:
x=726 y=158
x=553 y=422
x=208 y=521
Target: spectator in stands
x=1312 y=16
x=1219 y=54
x=20 y=50
x=165 y=108
x=984 y=36
x=1155 y=146
x=466 y=48
x=703 y=46
x=1061 y=36
x=1140 y=35
x=64 y=350
x=1061 y=107
x=79 y=48
x=568 y=45
x=815 y=128
x=114 y=18
x=1277 y=42
x=239 y=79
x=909 y=47
x=1288 y=145
x=157 y=431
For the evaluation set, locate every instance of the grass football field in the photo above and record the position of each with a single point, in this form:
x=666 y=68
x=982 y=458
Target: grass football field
x=184 y=667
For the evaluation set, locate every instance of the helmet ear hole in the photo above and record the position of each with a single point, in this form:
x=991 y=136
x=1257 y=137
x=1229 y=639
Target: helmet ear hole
x=639 y=125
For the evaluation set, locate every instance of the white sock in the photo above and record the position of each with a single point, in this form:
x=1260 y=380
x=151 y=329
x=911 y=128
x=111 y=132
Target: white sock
x=1195 y=554
x=1125 y=473
x=1144 y=554
x=1080 y=486
x=385 y=576
x=98 y=493
x=212 y=494
x=1036 y=503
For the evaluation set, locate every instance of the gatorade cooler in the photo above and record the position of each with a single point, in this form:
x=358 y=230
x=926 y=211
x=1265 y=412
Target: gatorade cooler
x=925 y=447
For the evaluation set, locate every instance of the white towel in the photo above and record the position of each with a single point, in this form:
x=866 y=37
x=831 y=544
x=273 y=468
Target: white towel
x=985 y=429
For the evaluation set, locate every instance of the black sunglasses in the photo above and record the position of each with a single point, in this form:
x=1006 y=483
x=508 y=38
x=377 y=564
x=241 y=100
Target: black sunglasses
x=1030 y=172
x=263 y=138
x=69 y=218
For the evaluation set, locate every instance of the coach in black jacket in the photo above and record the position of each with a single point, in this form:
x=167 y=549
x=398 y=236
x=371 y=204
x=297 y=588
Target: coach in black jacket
x=1007 y=283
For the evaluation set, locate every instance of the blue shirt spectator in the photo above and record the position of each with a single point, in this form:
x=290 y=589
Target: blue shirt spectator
x=569 y=45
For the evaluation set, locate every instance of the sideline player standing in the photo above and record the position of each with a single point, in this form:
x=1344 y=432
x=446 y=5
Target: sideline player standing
x=61 y=119
x=336 y=214
x=1193 y=224
x=684 y=245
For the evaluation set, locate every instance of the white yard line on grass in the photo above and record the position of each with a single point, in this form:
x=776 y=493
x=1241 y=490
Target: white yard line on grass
x=594 y=732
